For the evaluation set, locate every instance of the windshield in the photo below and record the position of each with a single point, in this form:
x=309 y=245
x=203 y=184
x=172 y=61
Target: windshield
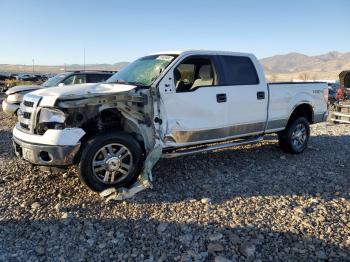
x=54 y=81
x=143 y=71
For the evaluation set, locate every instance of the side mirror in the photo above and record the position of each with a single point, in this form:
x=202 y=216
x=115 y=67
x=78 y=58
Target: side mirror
x=60 y=84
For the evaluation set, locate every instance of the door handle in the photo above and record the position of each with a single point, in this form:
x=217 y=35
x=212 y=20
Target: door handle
x=260 y=95
x=221 y=98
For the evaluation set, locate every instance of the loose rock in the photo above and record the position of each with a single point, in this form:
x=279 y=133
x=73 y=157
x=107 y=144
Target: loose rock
x=247 y=249
x=215 y=247
x=222 y=259
x=35 y=205
x=266 y=208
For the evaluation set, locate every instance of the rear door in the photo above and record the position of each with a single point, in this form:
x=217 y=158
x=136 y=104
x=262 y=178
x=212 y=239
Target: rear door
x=193 y=102
x=247 y=95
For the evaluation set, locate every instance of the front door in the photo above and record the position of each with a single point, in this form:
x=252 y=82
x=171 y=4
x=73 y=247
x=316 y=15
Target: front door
x=193 y=103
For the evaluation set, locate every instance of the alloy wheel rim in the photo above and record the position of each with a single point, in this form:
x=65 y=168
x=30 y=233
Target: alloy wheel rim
x=299 y=136
x=112 y=163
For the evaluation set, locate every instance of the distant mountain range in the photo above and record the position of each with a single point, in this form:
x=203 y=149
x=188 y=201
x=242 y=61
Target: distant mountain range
x=295 y=62
x=277 y=68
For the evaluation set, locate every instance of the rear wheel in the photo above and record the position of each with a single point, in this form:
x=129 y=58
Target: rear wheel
x=295 y=137
x=110 y=160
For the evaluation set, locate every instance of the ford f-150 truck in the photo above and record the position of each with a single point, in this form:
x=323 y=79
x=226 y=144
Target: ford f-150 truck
x=163 y=105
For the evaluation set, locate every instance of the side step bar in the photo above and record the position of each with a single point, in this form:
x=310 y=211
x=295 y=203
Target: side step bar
x=210 y=147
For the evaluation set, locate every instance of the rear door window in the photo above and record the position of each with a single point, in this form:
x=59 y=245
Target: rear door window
x=238 y=70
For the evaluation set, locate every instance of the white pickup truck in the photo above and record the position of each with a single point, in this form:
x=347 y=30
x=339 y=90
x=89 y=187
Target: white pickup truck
x=163 y=105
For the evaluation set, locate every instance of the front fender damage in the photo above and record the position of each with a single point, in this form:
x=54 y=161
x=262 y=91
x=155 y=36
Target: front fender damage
x=136 y=106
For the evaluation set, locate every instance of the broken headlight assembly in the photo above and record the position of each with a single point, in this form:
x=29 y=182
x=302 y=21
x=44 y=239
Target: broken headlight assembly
x=15 y=98
x=50 y=118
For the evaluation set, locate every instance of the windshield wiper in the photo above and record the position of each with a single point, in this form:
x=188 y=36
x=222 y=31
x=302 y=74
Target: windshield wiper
x=137 y=83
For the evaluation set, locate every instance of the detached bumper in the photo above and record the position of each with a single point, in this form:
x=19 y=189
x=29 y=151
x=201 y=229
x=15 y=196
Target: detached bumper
x=45 y=155
x=9 y=108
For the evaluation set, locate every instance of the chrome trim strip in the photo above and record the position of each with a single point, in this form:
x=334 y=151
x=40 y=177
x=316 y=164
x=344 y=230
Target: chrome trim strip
x=274 y=130
x=30 y=109
x=182 y=136
x=277 y=123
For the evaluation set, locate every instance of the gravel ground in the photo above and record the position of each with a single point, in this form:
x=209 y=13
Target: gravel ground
x=253 y=203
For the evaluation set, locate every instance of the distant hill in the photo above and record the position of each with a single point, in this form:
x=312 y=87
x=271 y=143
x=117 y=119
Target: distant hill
x=296 y=65
x=287 y=67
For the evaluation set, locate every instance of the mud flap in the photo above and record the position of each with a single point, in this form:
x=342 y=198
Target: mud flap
x=143 y=182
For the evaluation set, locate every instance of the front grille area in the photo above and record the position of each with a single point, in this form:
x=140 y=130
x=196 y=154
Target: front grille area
x=27 y=113
x=24 y=126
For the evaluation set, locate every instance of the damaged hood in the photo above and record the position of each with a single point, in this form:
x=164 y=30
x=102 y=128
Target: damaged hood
x=50 y=95
x=17 y=89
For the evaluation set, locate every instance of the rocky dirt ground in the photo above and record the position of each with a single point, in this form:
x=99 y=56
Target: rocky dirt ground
x=252 y=203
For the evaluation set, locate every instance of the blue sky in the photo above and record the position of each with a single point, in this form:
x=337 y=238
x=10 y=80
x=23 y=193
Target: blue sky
x=56 y=32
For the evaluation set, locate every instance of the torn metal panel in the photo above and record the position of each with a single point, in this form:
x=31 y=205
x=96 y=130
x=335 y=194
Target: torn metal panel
x=132 y=105
x=142 y=183
x=111 y=98
x=136 y=108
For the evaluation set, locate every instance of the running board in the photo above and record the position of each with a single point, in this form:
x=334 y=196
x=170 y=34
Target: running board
x=210 y=147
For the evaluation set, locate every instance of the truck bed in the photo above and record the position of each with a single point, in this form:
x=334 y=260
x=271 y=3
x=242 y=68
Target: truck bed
x=285 y=96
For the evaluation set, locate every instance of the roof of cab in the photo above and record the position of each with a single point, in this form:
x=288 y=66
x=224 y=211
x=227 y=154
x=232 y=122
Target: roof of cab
x=202 y=52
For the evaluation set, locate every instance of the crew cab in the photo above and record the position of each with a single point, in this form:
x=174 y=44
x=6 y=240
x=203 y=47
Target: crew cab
x=166 y=104
x=15 y=94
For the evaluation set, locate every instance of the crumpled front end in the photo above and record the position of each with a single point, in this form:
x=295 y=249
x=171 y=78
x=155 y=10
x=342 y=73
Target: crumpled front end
x=53 y=127
x=133 y=111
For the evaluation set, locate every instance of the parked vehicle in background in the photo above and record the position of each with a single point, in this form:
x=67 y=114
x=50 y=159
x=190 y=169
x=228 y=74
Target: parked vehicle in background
x=7 y=76
x=341 y=108
x=344 y=89
x=28 y=77
x=332 y=92
x=163 y=105
x=15 y=94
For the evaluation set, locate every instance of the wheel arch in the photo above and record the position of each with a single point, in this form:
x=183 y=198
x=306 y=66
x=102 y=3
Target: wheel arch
x=112 y=120
x=303 y=109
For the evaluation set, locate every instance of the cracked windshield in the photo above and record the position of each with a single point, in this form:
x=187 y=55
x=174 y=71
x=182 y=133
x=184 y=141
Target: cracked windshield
x=143 y=71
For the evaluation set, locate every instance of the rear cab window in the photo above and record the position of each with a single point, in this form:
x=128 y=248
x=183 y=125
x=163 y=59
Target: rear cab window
x=238 y=70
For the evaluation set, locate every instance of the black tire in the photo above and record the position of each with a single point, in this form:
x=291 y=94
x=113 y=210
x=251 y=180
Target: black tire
x=97 y=147
x=294 y=144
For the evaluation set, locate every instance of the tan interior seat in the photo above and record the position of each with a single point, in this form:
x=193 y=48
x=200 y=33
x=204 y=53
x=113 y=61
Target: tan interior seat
x=205 y=77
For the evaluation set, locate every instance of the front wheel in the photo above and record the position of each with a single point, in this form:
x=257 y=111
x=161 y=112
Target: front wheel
x=295 y=137
x=110 y=160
